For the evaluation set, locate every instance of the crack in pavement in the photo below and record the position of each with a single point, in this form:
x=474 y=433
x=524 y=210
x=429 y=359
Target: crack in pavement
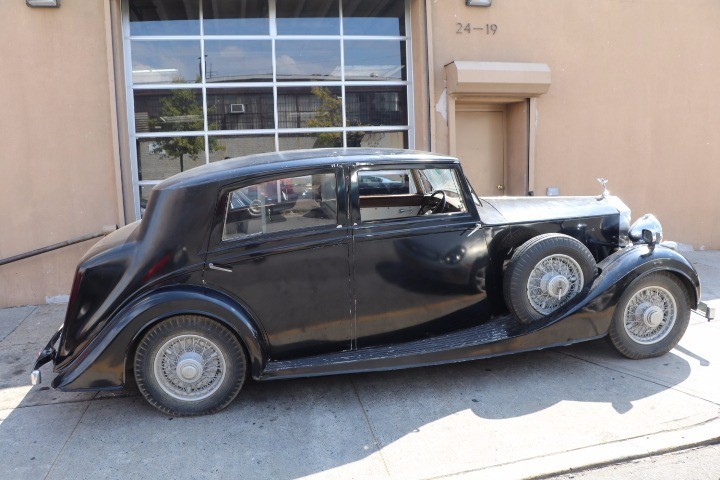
x=94 y=398
x=378 y=445
x=57 y=457
x=19 y=323
x=5 y=344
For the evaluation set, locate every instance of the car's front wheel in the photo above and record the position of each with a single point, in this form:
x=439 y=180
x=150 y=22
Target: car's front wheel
x=651 y=316
x=189 y=365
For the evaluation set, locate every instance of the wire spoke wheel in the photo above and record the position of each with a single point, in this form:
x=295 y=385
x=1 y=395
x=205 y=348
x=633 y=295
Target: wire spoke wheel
x=650 y=315
x=553 y=282
x=189 y=367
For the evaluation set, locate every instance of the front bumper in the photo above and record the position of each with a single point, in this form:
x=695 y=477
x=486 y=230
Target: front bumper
x=704 y=310
x=44 y=356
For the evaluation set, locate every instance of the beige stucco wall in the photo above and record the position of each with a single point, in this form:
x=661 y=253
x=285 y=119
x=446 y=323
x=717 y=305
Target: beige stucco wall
x=59 y=141
x=634 y=97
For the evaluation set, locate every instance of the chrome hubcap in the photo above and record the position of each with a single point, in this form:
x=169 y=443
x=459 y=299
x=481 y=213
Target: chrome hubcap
x=555 y=285
x=189 y=367
x=650 y=315
x=553 y=282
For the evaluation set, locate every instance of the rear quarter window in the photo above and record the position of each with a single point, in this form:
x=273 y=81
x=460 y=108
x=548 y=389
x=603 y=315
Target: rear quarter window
x=291 y=203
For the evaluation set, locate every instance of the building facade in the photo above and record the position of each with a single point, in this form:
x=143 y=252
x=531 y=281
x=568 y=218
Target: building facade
x=102 y=100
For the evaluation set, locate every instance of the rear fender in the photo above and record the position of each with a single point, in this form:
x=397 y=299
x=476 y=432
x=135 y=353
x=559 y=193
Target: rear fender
x=103 y=364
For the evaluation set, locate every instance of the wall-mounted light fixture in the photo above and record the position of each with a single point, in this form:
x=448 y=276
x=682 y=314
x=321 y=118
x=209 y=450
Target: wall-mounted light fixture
x=43 y=3
x=478 y=3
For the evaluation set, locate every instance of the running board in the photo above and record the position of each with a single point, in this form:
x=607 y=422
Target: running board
x=475 y=342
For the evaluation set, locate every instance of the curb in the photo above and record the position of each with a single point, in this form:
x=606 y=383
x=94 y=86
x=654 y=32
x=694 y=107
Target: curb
x=596 y=456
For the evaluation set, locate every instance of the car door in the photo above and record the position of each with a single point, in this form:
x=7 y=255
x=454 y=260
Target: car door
x=415 y=275
x=281 y=248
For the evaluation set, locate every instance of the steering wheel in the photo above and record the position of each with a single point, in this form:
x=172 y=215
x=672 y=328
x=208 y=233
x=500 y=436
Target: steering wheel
x=255 y=208
x=433 y=203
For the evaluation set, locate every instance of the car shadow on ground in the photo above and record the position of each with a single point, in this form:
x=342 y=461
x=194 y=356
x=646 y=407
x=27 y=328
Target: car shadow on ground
x=287 y=429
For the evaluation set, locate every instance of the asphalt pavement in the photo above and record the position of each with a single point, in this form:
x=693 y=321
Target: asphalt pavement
x=552 y=412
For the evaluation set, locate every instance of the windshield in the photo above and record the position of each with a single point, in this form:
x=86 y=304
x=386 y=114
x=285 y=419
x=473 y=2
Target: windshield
x=474 y=196
x=440 y=179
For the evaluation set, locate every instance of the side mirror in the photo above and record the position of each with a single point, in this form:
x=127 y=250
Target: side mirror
x=649 y=237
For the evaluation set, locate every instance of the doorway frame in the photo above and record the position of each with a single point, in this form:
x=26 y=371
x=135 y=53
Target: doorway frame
x=479 y=104
x=508 y=83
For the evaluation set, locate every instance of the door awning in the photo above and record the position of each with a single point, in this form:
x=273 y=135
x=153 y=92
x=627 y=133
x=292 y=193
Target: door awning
x=522 y=80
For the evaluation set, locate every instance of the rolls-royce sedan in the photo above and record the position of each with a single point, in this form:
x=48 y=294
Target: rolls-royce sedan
x=319 y=262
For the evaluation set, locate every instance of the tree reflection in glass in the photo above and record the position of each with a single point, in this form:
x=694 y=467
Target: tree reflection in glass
x=181 y=112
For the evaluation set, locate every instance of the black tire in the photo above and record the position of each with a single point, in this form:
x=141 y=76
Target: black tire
x=528 y=257
x=627 y=343
x=222 y=356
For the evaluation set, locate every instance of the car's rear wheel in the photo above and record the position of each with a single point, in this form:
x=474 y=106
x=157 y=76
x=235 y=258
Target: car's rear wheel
x=651 y=316
x=544 y=274
x=189 y=365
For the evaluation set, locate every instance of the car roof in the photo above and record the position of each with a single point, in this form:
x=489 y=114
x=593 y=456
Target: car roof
x=226 y=171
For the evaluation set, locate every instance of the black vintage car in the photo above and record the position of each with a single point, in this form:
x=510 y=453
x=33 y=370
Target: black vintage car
x=377 y=259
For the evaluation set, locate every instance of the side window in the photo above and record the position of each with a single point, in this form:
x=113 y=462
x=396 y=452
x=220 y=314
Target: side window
x=279 y=205
x=392 y=194
x=385 y=182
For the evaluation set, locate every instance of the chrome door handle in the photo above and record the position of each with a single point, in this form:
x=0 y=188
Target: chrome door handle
x=220 y=268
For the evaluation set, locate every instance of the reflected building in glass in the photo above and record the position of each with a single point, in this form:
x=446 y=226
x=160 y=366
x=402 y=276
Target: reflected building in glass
x=216 y=79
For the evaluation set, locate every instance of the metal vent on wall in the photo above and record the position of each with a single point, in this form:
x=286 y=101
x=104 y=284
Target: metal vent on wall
x=142 y=122
x=237 y=108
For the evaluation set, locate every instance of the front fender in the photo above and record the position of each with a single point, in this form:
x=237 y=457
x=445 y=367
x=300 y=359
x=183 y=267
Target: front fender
x=630 y=263
x=590 y=316
x=103 y=363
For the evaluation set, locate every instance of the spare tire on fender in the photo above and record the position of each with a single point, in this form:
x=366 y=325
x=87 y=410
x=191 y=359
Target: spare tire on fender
x=545 y=273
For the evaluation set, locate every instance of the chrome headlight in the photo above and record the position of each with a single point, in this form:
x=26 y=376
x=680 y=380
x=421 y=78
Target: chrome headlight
x=646 y=222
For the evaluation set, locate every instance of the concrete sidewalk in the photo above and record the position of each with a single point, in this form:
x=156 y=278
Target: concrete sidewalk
x=518 y=416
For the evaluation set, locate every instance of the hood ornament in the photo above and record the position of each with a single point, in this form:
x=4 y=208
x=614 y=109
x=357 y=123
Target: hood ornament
x=605 y=192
